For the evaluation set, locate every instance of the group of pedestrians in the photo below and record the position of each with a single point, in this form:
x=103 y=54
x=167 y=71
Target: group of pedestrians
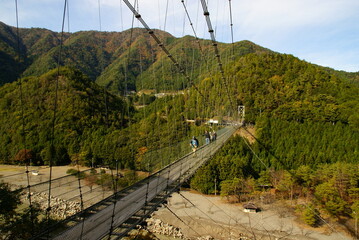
x=209 y=137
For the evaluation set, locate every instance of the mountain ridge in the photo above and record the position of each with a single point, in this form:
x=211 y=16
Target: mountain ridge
x=104 y=56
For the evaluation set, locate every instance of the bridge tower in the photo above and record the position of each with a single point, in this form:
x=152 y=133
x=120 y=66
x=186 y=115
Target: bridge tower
x=241 y=114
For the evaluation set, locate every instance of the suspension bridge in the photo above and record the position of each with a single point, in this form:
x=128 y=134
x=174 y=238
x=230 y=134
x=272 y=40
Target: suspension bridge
x=117 y=214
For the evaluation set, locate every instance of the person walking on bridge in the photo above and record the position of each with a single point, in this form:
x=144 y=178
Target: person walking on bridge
x=207 y=137
x=213 y=136
x=194 y=144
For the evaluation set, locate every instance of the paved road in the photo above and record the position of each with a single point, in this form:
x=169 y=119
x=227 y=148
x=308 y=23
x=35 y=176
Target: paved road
x=98 y=225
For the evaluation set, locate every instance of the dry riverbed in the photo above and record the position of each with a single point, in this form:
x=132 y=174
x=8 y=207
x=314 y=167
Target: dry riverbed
x=195 y=216
x=210 y=217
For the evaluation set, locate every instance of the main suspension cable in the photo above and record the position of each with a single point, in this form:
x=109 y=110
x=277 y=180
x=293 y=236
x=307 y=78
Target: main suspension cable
x=231 y=24
x=161 y=45
x=218 y=56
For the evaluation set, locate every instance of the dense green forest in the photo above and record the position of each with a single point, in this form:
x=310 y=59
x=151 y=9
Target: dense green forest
x=91 y=122
x=329 y=182
x=92 y=126
x=80 y=106
x=282 y=146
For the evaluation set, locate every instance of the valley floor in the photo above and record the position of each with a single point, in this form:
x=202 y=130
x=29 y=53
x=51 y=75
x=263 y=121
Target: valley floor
x=203 y=217
x=210 y=216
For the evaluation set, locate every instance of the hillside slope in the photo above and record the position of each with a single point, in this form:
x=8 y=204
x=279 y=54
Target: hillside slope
x=129 y=60
x=84 y=112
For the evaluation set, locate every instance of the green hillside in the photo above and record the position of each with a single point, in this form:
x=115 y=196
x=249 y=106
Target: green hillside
x=10 y=66
x=129 y=60
x=306 y=121
x=270 y=85
x=284 y=87
x=81 y=114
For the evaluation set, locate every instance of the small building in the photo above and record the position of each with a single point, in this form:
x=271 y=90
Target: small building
x=212 y=121
x=250 y=207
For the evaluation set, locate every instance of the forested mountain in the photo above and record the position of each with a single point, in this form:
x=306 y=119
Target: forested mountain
x=269 y=84
x=83 y=111
x=129 y=60
x=285 y=87
x=16 y=56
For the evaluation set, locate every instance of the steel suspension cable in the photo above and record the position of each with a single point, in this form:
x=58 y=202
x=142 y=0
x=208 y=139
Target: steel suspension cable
x=203 y=57
x=193 y=218
x=163 y=82
x=197 y=39
x=218 y=56
x=231 y=24
x=121 y=16
x=179 y=97
x=48 y=209
x=174 y=214
x=147 y=140
x=191 y=24
x=200 y=210
x=143 y=98
x=115 y=180
x=68 y=17
x=159 y=16
x=161 y=45
x=81 y=199
x=164 y=25
x=127 y=63
x=114 y=186
x=126 y=70
x=102 y=67
x=99 y=15
x=22 y=113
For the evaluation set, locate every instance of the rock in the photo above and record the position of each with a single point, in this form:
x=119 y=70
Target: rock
x=60 y=208
x=157 y=226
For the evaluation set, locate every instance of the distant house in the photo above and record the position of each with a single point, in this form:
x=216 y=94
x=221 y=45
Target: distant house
x=250 y=207
x=212 y=121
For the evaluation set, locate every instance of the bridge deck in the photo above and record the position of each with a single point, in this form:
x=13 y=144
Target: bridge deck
x=117 y=214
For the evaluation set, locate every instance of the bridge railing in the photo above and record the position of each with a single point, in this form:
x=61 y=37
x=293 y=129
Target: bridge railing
x=103 y=217
x=154 y=160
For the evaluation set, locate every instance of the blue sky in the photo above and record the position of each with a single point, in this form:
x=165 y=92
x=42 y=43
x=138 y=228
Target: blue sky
x=324 y=32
